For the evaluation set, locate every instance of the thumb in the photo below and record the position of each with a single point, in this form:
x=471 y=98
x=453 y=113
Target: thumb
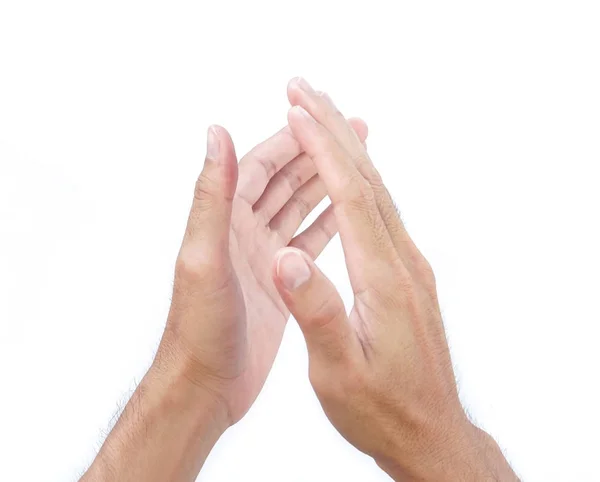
x=315 y=303
x=207 y=232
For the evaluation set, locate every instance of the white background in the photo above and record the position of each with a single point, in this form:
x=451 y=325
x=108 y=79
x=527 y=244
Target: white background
x=485 y=123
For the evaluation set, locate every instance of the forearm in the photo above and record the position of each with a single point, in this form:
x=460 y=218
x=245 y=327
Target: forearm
x=165 y=432
x=468 y=455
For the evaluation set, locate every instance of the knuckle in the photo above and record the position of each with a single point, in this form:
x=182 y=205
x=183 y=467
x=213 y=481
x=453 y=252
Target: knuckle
x=301 y=205
x=328 y=227
x=376 y=181
x=269 y=166
x=358 y=192
x=426 y=273
x=205 y=188
x=293 y=178
x=426 y=270
x=192 y=267
x=326 y=313
x=363 y=163
x=287 y=132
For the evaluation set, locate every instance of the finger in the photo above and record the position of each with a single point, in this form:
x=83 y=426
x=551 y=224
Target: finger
x=316 y=237
x=316 y=305
x=292 y=176
x=288 y=220
x=207 y=232
x=283 y=186
x=323 y=109
x=263 y=162
x=366 y=242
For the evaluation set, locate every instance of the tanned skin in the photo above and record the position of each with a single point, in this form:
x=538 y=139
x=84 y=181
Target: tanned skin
x=383 y=373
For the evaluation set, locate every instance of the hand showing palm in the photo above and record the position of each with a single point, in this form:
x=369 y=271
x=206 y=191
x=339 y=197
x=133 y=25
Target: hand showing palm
x=227 y=319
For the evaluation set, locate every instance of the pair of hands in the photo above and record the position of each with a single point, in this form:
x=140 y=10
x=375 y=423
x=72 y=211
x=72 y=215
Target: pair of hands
x=383 y=373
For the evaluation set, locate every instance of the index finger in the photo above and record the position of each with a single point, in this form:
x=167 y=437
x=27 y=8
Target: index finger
x=367 y=244
x=266 y=159
x=321 y=107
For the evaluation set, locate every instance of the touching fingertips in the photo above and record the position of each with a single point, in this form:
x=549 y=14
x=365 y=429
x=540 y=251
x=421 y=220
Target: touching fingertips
x=292 y=269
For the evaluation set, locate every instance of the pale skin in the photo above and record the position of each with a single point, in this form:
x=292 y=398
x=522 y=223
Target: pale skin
x=242 y=269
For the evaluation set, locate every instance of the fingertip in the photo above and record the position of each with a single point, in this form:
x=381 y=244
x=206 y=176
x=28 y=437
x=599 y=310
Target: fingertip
x=293 y=82
x=291 y=268
x=304 y=128
x=294 y=91
x=213 y=143
x=225 y=141
x=220 y=149
x=360 y=127
x=219 y=142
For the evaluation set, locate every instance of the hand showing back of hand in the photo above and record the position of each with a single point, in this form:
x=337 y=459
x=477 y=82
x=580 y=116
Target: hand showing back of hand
x=383 y=374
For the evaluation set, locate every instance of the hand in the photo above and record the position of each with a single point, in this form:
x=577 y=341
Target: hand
x=227 y=319
x=383 y=374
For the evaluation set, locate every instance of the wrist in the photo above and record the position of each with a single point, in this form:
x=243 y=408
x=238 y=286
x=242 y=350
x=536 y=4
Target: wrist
x=169 y=376
x=165 y=432
x=460 y=451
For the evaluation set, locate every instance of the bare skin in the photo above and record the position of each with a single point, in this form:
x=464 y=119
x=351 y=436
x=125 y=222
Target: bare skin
x=226 y=320
x=382 y=373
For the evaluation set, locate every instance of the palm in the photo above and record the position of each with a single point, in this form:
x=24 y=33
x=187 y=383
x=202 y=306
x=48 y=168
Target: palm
x=253 y=246
x=277 y=188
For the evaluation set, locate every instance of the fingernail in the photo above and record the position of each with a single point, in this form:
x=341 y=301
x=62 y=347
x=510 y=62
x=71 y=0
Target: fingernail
x=292 y=269
x=213 y=144
x=302 y=83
